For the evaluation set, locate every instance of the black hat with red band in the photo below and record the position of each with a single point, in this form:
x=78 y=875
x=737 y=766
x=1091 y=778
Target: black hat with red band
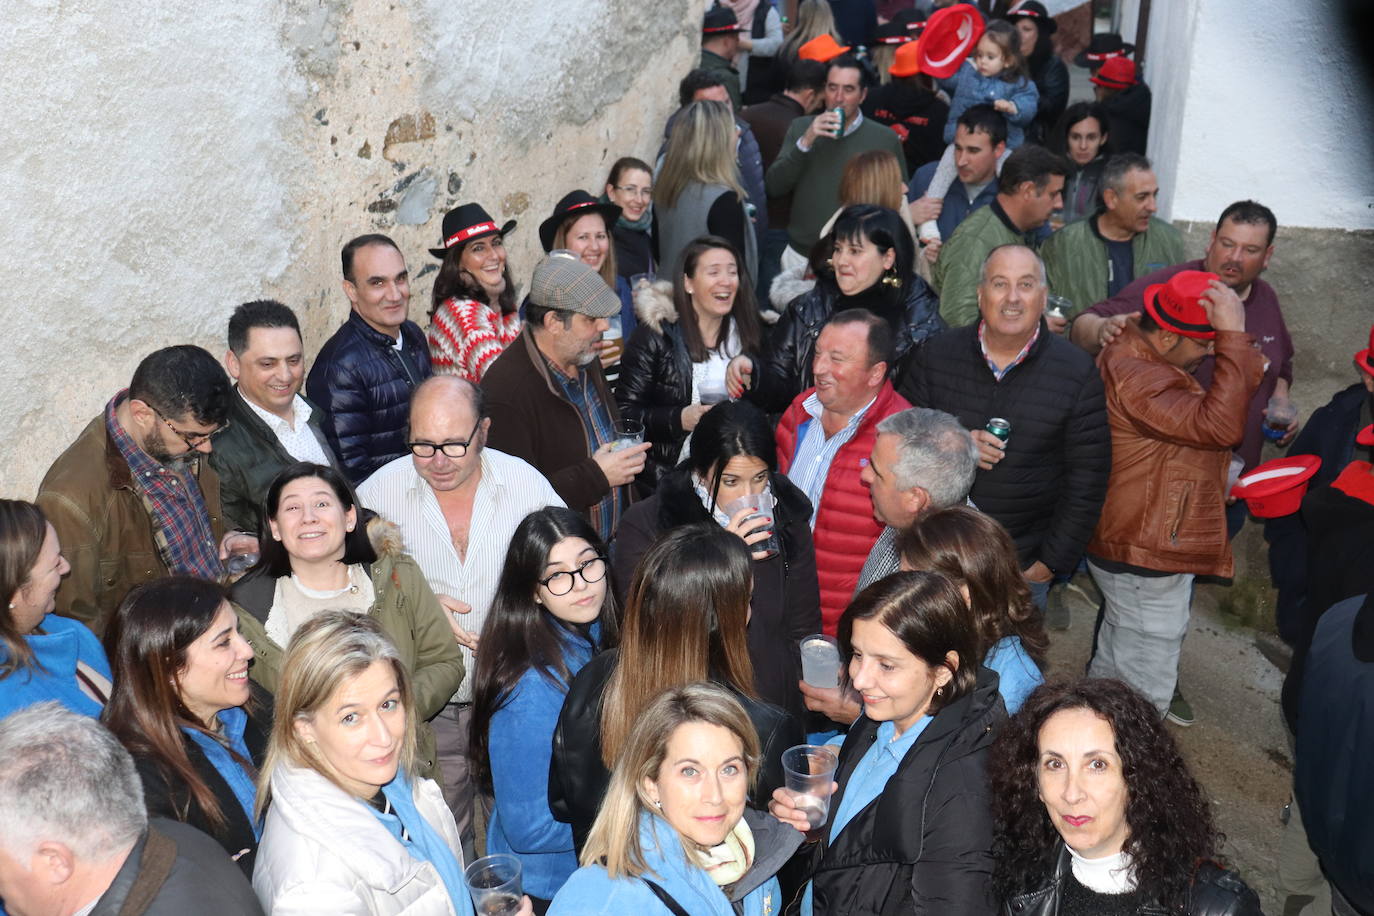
x=575 y=203
x=470 y=221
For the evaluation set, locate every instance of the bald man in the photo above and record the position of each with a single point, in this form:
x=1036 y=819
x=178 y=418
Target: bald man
x=448 y=479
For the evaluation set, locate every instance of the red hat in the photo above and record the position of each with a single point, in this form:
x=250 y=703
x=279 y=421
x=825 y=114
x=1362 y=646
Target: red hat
x=950 y=35
x=1116 y=73
x=1177 y=305
x=907 y=61
x=1277 y=487
x=1365 y=358
x=1366 y=435
x=823 y=48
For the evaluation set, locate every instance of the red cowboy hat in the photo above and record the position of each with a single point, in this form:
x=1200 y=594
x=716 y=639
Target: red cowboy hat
x=950 y=35
x=1116 y=73
x=1177 y=305
x=1365 y=358
x=1277 y=487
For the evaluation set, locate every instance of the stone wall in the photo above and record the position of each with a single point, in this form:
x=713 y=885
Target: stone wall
x=165 y=162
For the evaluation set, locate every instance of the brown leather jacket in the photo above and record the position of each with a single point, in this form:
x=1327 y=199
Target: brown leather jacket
x=1171 y=448
x=104 y=529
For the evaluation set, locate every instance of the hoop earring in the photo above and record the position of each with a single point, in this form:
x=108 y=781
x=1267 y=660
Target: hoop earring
x=890 y=278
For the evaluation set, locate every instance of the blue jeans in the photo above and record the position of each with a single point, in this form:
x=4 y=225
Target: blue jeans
x=1040 y=593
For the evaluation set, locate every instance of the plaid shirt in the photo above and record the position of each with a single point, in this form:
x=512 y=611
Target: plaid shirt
x=181 y=523
x=596 y=420
x=1020 y=357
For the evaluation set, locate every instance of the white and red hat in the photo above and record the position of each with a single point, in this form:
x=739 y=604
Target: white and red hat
x=1276 y=488
x=470 y=221
x=949 y=38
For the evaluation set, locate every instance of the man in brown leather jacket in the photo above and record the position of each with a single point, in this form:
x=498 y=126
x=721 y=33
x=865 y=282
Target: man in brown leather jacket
x=1164 y=520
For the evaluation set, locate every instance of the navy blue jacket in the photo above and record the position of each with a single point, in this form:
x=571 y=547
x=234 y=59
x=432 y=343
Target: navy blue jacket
x=363 y=385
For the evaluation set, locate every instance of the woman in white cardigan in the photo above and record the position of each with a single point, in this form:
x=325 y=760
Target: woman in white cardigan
x=350 y=828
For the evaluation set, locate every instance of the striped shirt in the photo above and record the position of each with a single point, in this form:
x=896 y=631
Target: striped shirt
x=509 y=490
x=1020 y=358
x=811 y=464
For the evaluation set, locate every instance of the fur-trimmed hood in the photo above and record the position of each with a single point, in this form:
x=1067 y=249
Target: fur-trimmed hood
x=654 y=305
x=788 y=285
x=384 y=534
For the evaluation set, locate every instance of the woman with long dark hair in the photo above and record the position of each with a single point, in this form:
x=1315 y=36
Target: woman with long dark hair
x=553 y=610
x=975 y=552
x=181 y=705
x=1036 y=28
x=690 y=326
x=732 y=454
x=42 y=656
x=1080 y=135
x=685 y=619
x=473 y=314
x=911 y=769
x=1096 y=812
x=867 y=261
x=322 y=551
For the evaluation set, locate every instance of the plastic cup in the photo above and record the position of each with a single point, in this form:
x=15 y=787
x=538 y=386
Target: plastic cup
x=240 y=562
x=628 y=433
x=1277 y=418
x=820 y=657
x=762 y=505
x=637 y=280
x=712 y=392
x=1058 y=306
x=494 y=882
x=808 y=771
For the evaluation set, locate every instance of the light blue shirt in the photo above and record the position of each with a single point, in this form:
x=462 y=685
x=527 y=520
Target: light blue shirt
x=811 y=463
x=1016 y=672
x=869 y=778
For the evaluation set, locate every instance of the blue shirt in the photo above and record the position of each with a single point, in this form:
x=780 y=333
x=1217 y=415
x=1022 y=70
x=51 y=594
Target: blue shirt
x=869 y=778
x=1016 y=671
x=56 y=650
x=811 y=462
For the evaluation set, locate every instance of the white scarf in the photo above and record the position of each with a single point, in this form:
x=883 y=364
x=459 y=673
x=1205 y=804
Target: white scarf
x=728 y=862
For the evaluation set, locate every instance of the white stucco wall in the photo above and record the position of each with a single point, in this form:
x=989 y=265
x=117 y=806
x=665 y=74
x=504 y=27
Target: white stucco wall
x=164 y=162
x=1260 y=99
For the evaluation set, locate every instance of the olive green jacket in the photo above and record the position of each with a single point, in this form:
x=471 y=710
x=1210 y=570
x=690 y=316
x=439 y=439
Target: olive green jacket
x=960 y=265
x=407 y=611
x=1078 y=266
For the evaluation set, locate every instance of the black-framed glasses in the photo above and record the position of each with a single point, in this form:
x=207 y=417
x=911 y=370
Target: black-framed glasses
x=560 y=583
x=454 y=449
x=192 y=440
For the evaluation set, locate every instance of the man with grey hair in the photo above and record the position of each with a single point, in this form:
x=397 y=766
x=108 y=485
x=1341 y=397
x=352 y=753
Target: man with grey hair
x=1096 y=257
x=1046 y=480
x=75 y=839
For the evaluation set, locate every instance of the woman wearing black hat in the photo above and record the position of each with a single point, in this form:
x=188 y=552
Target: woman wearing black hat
x=1035 y=26
x=473 y=315
x=582 y=224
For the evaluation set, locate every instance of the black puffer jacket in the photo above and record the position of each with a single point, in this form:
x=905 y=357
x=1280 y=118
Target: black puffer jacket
x=913 y=311
x=1052 y=80
x=1215 y=892
x=364 y=387
x=924 y=845
x=1048 y=489
x=578 y=779
x=1128 y=119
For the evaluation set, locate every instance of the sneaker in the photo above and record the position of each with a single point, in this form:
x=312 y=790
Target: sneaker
x=1058 y=615
x=1180 y=710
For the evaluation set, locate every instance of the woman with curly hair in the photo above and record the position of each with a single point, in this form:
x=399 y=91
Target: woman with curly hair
x=1096 y=812
x=976 y=552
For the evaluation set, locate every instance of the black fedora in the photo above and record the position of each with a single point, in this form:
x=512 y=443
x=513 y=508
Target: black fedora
x=719 y=20
x=575 y=202
x=1035 y=10
x=1104 y=45
x=467 y=222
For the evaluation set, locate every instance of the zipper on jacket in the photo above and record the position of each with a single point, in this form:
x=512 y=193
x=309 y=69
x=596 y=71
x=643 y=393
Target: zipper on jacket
x=1178 y=516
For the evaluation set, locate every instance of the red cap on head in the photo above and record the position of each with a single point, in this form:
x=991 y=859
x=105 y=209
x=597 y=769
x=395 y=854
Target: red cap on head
x=1177 y=305
x=1116 y=73
x=1365 y=358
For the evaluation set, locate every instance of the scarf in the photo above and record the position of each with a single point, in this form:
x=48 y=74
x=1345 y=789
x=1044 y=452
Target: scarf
x=421 y=840
x=235 y=776
x=728 y=862
x=643 y=224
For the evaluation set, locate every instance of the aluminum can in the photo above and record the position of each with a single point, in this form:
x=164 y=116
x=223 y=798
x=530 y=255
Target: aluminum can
x=1000 y=428
x=839 y=111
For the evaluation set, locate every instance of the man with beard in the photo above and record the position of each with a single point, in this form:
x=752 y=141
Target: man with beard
x=131 y=499
x=548 y=399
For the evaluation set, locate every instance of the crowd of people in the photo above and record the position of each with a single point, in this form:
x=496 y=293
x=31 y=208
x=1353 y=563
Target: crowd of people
x=870 y=367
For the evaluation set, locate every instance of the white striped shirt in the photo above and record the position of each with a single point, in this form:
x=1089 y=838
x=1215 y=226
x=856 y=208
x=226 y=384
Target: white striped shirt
x=509 y=490
x=811 y=465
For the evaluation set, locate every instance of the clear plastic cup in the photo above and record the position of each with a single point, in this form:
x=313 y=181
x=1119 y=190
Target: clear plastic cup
x=762 y=505
x=494 y=882
x=628 y=433
x=808 y=771
x=820 y=657
x=712 y=392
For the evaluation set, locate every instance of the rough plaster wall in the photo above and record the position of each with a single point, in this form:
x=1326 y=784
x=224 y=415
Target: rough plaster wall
x=163 y=163
x=1260 y=98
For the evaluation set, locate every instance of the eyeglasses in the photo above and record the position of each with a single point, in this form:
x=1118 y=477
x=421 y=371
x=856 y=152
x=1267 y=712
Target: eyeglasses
x=633 y=191
x=560 y=583
x=192 y=440
x=454 y=449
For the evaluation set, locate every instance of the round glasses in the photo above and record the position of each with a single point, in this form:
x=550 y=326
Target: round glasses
x=560 y=583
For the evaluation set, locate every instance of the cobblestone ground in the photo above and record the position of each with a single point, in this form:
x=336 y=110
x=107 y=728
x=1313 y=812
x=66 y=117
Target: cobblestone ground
x=1238 y=747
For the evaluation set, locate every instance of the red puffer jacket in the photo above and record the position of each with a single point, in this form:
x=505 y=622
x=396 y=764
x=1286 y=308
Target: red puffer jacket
x=845 y=528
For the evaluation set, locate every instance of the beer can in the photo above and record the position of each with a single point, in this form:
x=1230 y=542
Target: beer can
x=839 y=112
x=1000 y=428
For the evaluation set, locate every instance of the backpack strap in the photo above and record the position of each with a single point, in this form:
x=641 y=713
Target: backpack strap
x=159 y=855
x=667 y=899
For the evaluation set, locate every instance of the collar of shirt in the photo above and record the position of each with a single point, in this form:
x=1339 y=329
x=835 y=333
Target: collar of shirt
x=1020 y=357
x=812 y=405
x=854 y=124
x=300 y=412
x=141 y=464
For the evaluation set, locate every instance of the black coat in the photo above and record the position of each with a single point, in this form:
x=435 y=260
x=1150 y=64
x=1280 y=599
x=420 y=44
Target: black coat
x=166 y=796
x=577 y=777
x=915 y=114
x=924 y=845
x=1051 y=79
x=173 y=870
x=633 y=251
x=1215 y=892
x=1128 y=119
x=786 y=370
x=786 y=606
x=1048 y=489
x=655 y=384
x=364 y=387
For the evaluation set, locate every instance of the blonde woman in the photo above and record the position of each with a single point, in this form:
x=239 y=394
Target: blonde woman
x=350 y=827
x=674 y=834
x=698 y=191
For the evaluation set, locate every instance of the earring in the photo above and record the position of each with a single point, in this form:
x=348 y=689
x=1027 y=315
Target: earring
x=890 y=278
